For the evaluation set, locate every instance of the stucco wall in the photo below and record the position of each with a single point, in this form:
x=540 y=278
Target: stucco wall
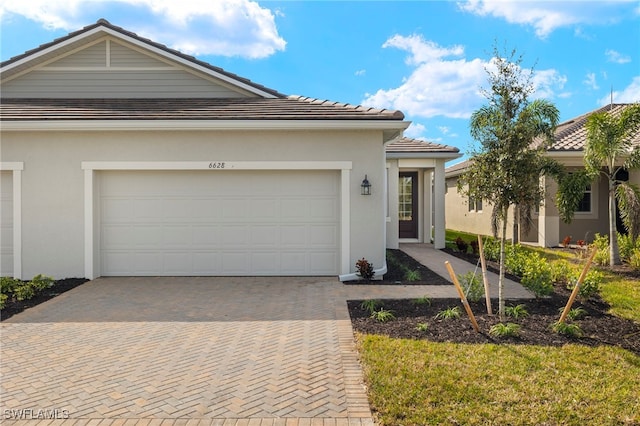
x=53 y=181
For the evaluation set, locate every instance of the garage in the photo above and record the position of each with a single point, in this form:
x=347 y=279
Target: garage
x=224 y=222
x=6 y=221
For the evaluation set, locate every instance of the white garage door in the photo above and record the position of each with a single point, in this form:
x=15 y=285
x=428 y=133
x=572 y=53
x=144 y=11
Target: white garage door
x=219 y=222
x=6 y=223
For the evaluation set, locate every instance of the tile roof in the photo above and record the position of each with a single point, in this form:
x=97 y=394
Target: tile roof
x=571 y=136
x=106 y=24
x=409 y=145
x=457 y=168
x=289 y=108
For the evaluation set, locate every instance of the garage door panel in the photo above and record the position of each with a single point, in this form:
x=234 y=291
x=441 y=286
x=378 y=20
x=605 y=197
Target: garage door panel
x=221 y=223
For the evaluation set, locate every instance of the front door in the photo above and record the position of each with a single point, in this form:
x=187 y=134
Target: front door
x=408 y=204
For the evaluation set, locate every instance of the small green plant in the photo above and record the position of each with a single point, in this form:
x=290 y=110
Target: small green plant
x=491 y=249
x=561 y=271
x=449 y=313
x=634 y=259
x=383 y=315
x=25 y=291
x=567 y=329
x=365 y=269
x=3 y=300
x=422 y=326
x=537 y=276
x=504 y=330
x=516 y=312
x=41 y=282
x=601 y=244
x=590 y=286
x=370 y=305
x=424 y=300
x=626 y=246
x=473 y=289
x=575 y=313
x=412 y=275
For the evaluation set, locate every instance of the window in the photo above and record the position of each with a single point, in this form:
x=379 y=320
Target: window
x=475 y=205
x=585 y=204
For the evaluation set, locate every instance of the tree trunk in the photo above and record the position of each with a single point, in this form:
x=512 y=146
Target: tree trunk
x=614 y=254
x=516 y=226
x=503 y=239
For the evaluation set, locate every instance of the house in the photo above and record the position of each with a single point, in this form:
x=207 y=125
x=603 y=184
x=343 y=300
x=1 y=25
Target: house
x=547 y=229
x=121 y=156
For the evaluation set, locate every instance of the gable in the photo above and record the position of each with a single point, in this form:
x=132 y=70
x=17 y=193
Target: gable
x=110 y=68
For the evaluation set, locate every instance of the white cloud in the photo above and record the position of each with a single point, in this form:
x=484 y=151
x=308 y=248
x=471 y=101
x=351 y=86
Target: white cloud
x=629 y=94
x=547 y=16
x=441 y=84
x=198 y=27
x=360 y=72
x=590 y=81
x=617 y=57
x=415 y=130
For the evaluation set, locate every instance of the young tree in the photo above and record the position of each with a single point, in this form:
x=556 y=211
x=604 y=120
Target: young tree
x=609 y=149
x=514 y=134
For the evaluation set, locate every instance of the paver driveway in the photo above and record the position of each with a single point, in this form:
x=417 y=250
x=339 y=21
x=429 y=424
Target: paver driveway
x=221 y=350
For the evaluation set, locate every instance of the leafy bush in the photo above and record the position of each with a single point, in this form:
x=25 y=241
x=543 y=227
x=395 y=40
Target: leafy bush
x=3 y=300
x=504 y=330
x=475 y=247
x=537 y=275
x=462 y=245
x=24 y=291
x=601 y=244
x=561 y=272
x=590 y=286
x=491 y=249
x=41 y=282
x=471 y=286
x=449 y=313
x=365 y=269
x=515 y=259
x=627 y=245
x=634 y=259
x=516 y=312
x=383 y=315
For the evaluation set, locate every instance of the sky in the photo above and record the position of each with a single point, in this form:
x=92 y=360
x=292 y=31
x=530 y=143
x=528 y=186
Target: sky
x=428 y=59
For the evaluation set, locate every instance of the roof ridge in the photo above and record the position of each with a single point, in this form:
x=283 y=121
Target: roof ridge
x=104 y=23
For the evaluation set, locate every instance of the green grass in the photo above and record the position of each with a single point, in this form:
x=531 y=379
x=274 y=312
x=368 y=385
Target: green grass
x=414 y=382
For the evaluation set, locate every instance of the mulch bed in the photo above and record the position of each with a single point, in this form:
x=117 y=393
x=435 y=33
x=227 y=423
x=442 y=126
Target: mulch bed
x=396 y=275
x=598 y=327
x=13 y=307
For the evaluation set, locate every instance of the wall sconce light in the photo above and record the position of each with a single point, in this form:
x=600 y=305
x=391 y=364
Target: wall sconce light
x=365 y=187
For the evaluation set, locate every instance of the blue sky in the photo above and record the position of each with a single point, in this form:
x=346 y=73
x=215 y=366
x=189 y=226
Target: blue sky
x=425 y=58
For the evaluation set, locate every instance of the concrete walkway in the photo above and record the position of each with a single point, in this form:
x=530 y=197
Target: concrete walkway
x=194 y=351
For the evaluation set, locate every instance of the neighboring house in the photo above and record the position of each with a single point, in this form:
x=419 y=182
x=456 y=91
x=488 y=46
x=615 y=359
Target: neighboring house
x=121 y=156
x=547 y=229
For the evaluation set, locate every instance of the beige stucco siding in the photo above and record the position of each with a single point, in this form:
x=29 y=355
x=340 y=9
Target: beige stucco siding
x=53 y=180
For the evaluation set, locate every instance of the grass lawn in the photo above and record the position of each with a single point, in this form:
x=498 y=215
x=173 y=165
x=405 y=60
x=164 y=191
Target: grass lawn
x=413 y=382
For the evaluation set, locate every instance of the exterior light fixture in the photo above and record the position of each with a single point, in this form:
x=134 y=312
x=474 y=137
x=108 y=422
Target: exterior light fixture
x=365 y=187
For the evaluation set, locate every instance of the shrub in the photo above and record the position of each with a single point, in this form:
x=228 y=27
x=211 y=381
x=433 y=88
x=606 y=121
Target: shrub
x=365 y=269
x=41 y=282
x=516 y=312
x=601 y=244
x=383 y=315
x=24 y=291
x=8 y=284
x=626 y=245
x=634 y=259
x=590 y=286
x=3 y=300
x=449 y=313
x=504 y=330
x=491 y=249
x=561 y=272
x=566 y=241
x=537 y=275
x=471 y=286
x=475 y=247
x=462 y=245
x=515 y=259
